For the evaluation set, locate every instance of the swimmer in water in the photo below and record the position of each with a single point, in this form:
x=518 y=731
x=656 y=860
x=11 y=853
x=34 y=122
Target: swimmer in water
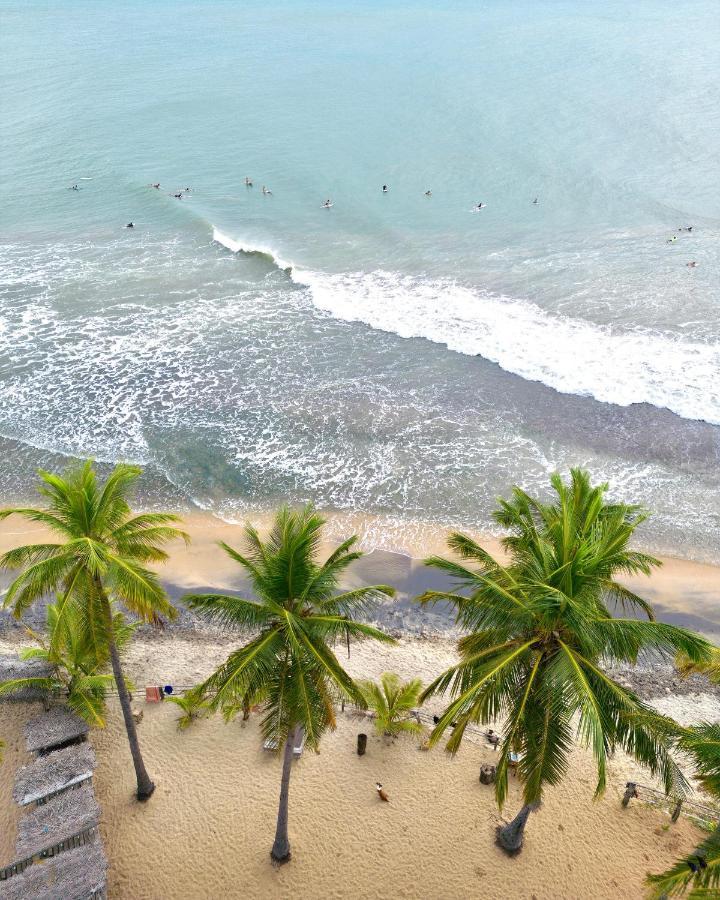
x=266 y=190
x=74 y=188
x=428 y=193
x=691 y=265
x=248 y=183
x=481 y=206
x=687 y=228
x=535 y=202
x=130 y=225
x=327 y=204
x=156 y=186
x=385 y=189
x=671 y=240
x=178 y=196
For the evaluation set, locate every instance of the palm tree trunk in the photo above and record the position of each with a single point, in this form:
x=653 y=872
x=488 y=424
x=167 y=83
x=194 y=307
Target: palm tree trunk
x=145 y=786
x=511 y=836
x=281 y=848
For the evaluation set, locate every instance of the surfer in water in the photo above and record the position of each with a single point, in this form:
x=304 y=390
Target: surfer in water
x=266 y=190
x=178 y=196
x=74 y=188
x=385 y=189
x=691 y=265
x=130 y=225
x=156 y=186
x=687 y=228
x=671 y=240
x=327 y=204
x=535 y=202
x=481 y=206
x=428 y=193
x=248 y=183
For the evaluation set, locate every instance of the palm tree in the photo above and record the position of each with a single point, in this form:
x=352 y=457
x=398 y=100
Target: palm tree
x=297 y=617
x=392 y=701
x=699 y=871
x=100 y=558
x=76 y=669
x=539 y=629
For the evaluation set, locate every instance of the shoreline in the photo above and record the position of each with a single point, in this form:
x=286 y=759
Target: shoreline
x=683 y=592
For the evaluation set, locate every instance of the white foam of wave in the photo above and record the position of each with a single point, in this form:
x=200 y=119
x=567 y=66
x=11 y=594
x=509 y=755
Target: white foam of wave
x=251 y=248
x=570 y=355
x=613 y=365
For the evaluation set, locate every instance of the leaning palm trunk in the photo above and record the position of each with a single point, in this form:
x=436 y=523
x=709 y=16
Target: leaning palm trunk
x=511 y=836
x=281 y=848
x=145 y=786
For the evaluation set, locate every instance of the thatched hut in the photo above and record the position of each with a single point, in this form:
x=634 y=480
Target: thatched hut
x=12 y=667
x=52 y=773
x=58 y=727
x=78 y=874
x=63 y=817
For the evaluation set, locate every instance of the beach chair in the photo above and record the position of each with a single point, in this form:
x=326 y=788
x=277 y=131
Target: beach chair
x=299 y=743
x=153 y=694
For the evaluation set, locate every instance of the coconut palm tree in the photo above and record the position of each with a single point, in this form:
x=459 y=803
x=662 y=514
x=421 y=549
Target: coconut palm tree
x=392 y=701
x=699 y=871
x=539 y=629
x=77 y=671
x=297 y=616
x=100 y=558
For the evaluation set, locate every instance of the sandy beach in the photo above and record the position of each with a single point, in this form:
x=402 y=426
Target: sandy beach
x=207 y=831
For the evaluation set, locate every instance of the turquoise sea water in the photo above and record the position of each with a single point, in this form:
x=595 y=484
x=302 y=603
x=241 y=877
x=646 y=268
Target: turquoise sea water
x=396 y=353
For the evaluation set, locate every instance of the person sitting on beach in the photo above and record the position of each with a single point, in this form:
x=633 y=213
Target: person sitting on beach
x=493 y=738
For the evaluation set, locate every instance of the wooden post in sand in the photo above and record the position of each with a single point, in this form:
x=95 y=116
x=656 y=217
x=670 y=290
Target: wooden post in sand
x=361 y=744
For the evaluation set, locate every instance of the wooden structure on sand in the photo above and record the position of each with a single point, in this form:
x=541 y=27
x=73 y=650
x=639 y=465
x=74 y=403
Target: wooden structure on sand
x=78 y=874
x=57 y=771
x=59 y=854
x=55 y=729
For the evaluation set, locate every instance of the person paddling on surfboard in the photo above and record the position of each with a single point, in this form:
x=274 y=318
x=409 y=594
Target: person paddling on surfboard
x=481 y=206
x=385 y=189
x=327 y=204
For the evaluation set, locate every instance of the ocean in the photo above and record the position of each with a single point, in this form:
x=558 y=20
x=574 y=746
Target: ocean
x=406 y=355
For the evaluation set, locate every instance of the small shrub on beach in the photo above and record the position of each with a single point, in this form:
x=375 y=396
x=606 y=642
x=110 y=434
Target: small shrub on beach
x=392 y=702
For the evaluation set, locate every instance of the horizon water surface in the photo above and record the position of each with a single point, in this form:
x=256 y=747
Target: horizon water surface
x=397 y=353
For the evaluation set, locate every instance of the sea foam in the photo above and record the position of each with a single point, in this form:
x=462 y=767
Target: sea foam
x=573 y=356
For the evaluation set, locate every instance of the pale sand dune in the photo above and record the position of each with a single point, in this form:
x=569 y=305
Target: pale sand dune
x=12 y=718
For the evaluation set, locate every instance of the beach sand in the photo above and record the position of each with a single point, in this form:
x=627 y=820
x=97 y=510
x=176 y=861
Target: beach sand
x=207 y=831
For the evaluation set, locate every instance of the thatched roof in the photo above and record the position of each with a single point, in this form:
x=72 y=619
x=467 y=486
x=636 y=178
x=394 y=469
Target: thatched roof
x=62 y=817
x=12 y=666
x=59 y=769
x=52 y=729
x=71 y=875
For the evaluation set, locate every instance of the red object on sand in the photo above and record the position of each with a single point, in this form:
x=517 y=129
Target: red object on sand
x=152 y=694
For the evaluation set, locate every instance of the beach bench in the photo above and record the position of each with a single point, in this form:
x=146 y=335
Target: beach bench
x=272 y=745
